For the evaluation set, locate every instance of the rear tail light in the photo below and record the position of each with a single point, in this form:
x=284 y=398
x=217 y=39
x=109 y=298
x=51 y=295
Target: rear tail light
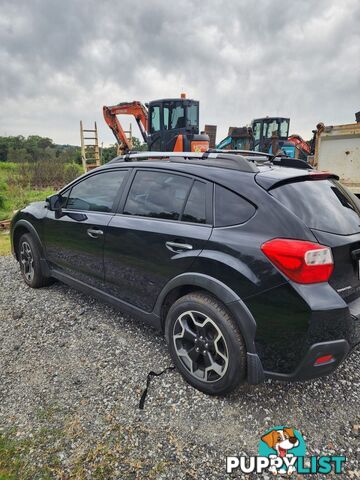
x=300 y=261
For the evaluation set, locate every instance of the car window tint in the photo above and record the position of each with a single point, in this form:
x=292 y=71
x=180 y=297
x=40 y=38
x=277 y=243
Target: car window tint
x=96 y=193
x=230 y=208
x=158 y=195
x=195 y=206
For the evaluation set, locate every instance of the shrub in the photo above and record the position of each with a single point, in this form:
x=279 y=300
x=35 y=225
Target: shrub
x=2 y=194
x=71 y=171
x=46 y=173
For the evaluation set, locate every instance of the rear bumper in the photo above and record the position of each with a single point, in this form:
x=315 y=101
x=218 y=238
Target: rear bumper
x=339 y=349
x=307 y=368
x=290 y=340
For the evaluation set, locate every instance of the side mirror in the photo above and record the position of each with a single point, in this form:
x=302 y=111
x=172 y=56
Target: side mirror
x=54 y=204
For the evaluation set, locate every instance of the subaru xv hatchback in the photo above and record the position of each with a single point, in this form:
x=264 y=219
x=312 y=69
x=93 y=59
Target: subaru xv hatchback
x=250 y=268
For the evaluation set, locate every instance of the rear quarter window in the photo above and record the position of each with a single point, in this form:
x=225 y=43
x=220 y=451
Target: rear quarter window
x=230 y=208
x=322 y=205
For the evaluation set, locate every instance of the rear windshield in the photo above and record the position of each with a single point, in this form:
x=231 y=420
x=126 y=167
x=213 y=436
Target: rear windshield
x=322 y=204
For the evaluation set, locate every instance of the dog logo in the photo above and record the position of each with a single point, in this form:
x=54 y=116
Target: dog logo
x=282 y=445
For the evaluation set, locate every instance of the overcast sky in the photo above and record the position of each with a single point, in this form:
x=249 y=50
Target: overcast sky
x=62 y=60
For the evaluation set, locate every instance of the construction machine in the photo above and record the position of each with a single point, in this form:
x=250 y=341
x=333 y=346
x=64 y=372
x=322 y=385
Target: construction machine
x=239 y=138
x=267 y=134
x=266 y=128
x=166 y=125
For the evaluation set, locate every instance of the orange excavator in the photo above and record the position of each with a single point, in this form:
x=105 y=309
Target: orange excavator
x=167 y=125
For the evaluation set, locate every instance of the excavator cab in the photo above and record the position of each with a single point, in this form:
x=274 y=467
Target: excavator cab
x=174 y=126
x=263 y=129
x=166 y=125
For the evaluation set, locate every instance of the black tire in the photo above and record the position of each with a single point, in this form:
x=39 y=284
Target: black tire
x=30 y=265
x=209 y=320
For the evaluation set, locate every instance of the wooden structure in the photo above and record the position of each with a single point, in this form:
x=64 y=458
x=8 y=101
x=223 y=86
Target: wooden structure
x=90 y=152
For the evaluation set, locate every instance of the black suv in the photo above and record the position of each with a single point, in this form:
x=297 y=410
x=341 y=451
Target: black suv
x=250 y=268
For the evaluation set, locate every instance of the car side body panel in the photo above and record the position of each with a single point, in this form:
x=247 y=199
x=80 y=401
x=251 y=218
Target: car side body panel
x=138 y=262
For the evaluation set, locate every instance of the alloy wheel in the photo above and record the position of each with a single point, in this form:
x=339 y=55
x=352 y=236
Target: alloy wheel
x=27 y=261
x=200 y=346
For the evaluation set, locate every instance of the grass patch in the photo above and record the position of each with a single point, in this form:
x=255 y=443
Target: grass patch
x=69 y=453
x=15 y=460
x=16 y=197
x=13 y=193
x=23 y=183
x=4 y=246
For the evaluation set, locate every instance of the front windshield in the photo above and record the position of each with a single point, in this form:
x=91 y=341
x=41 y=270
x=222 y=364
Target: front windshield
x=271 y=127
x=173 y=115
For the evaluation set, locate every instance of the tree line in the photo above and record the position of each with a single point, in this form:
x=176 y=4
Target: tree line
x=35 y=148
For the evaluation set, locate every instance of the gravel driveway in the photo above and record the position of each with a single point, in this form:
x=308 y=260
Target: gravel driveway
x=72 y=371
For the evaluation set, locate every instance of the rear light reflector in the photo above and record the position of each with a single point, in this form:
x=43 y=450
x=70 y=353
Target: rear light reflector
x=318 y=175
x=325 y=359
x=299 y=260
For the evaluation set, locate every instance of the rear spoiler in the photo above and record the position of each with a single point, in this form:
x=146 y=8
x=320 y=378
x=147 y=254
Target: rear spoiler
x=270 y=182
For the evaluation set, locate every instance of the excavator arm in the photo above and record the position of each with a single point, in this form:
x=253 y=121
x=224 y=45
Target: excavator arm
x=137 y=109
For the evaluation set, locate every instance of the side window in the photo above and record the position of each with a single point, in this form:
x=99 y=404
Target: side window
x=192 y=115
x=157 y=195
x=257 y=130
x=195 y=208
x=96 y=193
x=230 y=208
x=155 y=119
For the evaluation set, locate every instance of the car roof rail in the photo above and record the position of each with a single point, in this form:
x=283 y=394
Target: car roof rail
x=241 y=152
x=242 y=160
x=135 y=156
x=214 y=159
x=230 y=161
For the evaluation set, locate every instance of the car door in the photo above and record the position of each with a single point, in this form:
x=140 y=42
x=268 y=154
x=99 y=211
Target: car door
x=74 y=243
x=162 y=226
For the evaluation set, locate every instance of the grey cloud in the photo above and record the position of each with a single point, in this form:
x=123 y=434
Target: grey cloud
x=61 y=61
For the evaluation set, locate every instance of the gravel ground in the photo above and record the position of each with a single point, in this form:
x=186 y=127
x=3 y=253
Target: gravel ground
x=72 y=371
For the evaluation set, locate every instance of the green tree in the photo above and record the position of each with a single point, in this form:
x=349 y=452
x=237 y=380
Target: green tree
x=108 y=153
x=138 y=145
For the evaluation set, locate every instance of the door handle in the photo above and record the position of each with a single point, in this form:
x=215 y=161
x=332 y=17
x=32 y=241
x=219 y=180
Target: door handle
x=178 y=247
x=94 y=232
